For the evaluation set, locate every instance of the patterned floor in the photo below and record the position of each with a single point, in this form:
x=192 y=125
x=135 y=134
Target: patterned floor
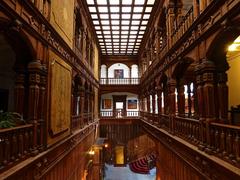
x=124 y=173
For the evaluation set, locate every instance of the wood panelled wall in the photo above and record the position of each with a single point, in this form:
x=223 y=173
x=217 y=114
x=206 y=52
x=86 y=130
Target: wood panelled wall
x=171 y=167
x=68 y=160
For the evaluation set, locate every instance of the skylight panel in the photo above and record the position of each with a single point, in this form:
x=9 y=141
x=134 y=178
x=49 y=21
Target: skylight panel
x=142 y=27
x=126 y=16
x=139 y=2
x=125 y=27
x=94 y=16
x=137 y=9
x=146 y=16
x=134 y=27
x=99 y=32
x=102 y=2
x=116 y=40
x=90 y=1
x=115 y=32
x=124 y=36
x=114 y=9
x=126 y=9
x=107 y=36
x=105 y=22
x=148 y=9
x=106 y=27
x=115 y=16
x=124 y=32
x=144 y=22
x=135 y=22
x=136 y=16
x=92 y=9
x=104 y=16
x=99 y=36
x=114 y=2
x=150 y=2
x=97 y=27
x=96 y=22
x=125 y=22
x=115 y=22
x=106 y=32
x=115 y=36
x=126 y=2
x=103 y=9
x=133 y=32
x=115 y=28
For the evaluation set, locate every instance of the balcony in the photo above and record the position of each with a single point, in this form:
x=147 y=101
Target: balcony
x=119 y=81
x=119 y=114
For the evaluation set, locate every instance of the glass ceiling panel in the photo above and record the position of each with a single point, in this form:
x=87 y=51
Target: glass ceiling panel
x=120 y=25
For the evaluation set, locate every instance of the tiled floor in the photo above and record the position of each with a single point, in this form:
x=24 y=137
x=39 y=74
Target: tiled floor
x=124 y=173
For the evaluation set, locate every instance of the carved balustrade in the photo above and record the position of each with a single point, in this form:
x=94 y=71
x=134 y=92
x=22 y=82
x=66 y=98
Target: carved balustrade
x=225 y=142
x=77 y=122
x=44 y=6
x=183 y=26
x=16 y=144
x=119 y=81
x=188 y=129
x=118 y=114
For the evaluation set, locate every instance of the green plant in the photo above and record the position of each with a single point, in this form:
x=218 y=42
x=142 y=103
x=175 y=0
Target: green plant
x=9 y=119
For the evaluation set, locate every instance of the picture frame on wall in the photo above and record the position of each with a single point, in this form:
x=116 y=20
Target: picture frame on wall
x=106 y=104
x=118 y=73
x=132 y=104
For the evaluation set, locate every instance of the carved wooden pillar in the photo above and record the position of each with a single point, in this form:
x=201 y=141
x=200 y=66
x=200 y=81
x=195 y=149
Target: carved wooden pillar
x=148 y=103
x=19 y=92
x=172 y=103
x=82 y=103
x=209 y=98
x=34 y=69
x=181 y=98
x=153 y=102
x=159 y=102
x=223 y=97
x=201 y=112
x=170 y=23
x=41 y=109
x=189 y=100
x=196 y=10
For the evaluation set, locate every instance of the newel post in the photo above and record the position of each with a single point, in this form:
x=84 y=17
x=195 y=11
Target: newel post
x=34 y=68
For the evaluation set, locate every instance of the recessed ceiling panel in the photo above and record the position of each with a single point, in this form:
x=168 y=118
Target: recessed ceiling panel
x=120 y=24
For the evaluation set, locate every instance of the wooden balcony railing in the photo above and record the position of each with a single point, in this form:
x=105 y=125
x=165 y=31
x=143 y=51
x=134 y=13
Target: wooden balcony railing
x=44 y=7
x=218 y=139
x=16 y=144
x=118 y=81
x=183 y=26
x=119 y=114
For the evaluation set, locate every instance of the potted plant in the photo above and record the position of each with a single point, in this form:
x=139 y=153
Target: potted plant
x=10 y=119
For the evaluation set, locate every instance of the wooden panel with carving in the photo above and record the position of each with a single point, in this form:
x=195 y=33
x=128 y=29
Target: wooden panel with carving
x=60 y=74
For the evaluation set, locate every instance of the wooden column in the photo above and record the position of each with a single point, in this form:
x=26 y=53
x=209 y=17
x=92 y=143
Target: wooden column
x=153 y=102
x=34 y=69
x=172 y=103
x=42 y=108
x=170 y=23
x=223 y=97
x=82 y=104
x=159 y=103
x=19 y=92
x=209 y=99
x=200 y=103
x=181 y=98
